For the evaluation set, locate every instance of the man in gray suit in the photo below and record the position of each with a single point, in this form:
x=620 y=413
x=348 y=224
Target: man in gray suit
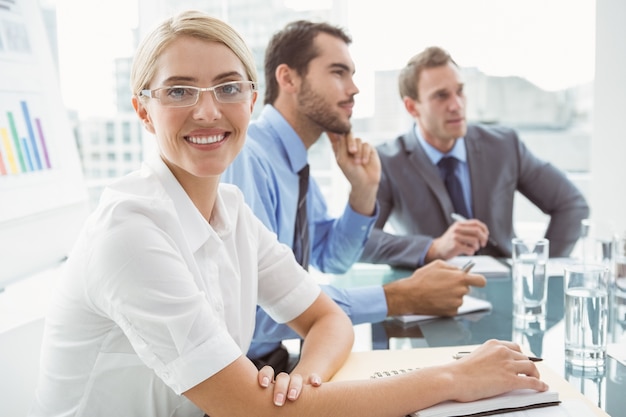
x=490 y=163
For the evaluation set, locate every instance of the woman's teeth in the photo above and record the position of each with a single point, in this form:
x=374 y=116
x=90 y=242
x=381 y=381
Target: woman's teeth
x=204 y=140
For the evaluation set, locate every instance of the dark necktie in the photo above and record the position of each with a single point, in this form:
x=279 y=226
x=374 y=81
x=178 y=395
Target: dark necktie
x=447 y=167
x=301 y=242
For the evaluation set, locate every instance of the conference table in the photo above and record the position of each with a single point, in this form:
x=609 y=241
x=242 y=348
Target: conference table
x=605 y=387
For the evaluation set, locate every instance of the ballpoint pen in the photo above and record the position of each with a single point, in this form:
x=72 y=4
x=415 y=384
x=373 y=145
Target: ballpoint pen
x=458 y=218
x=468 y=266
x=460 y=355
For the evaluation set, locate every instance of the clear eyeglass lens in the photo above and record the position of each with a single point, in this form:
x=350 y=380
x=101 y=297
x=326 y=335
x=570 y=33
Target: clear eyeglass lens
x=234 y=92
x=183 y=96
x=178 y=96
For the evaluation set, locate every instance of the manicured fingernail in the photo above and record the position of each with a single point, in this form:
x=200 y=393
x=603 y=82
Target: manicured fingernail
x=265 y=382
x=279 y=399
x=292 y=394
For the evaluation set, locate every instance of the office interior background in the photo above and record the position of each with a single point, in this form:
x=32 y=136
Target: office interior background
x=552 y=70
x=519 y=72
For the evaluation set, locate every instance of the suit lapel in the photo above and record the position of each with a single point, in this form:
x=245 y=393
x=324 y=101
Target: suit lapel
x=427 y=170
x=479 y=176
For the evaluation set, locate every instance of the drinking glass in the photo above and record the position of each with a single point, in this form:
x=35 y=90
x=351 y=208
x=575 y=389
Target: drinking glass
x=586 y=314
x=596 y=241
x=530 y=280
x=618 y=289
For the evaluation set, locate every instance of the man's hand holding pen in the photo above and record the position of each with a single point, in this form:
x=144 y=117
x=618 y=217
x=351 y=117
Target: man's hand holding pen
x=458 y=218
x=463 y=237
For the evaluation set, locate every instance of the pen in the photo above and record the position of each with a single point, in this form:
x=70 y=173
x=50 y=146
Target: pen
x=468 y=266
x=458 y=218
x=460 y=355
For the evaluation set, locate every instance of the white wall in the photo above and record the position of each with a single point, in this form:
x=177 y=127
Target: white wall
x=608 y=145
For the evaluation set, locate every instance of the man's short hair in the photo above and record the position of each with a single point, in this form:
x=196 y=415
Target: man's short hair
x=430 y=57
x=294 y=46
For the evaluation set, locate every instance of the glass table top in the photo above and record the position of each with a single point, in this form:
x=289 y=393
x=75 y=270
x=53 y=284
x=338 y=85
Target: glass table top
x=605 y=386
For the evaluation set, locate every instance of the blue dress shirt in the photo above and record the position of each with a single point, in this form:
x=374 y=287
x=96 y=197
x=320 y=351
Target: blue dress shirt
x=266 y=171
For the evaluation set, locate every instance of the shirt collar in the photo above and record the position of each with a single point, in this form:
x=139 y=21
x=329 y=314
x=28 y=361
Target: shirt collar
x=294 y=147
x=195 y=227
x=458 y=150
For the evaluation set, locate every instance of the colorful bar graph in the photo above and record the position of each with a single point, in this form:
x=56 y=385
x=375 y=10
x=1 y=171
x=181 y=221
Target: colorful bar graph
x=8 y=153
x=3 y=168
x=44 y=148
x=23 y=146
x=16 y=142
x=31 y=135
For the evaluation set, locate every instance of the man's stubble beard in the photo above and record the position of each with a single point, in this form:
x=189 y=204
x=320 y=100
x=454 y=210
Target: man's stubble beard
x=320 y=112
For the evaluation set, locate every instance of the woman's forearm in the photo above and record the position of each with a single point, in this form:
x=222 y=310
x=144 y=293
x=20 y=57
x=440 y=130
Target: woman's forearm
x=326 y=347
x=494 y=368
x=328 y=338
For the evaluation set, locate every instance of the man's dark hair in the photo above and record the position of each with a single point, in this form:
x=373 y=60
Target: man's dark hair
x=294 y=47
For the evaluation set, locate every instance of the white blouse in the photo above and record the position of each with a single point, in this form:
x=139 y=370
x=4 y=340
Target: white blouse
x=155 y=299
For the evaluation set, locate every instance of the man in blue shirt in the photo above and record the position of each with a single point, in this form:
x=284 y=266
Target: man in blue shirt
x=310 y=91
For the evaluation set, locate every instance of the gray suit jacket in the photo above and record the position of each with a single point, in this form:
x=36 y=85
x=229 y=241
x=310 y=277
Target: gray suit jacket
x=413 y=198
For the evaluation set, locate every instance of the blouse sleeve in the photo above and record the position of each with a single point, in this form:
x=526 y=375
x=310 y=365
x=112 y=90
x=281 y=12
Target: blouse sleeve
x=286 y=290
x=142 y=281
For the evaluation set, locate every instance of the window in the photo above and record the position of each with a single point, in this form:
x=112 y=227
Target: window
x=126 y=133
x=110 y=132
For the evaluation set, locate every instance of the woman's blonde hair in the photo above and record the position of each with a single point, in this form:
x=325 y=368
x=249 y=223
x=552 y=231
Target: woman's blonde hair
x=195 y=24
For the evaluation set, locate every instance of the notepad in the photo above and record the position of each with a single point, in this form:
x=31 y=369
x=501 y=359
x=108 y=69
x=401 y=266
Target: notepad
x=470 y=305
x=485 y=265
x=516 y=400
x=364 y=364
x=617 y=351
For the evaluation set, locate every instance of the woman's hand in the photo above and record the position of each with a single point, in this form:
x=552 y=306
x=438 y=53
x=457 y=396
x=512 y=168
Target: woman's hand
x=286 y=386
x=493 y=368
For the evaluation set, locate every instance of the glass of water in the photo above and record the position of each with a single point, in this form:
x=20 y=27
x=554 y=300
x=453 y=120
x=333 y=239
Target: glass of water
x=619 y=289
x=530 y=280
x=586 y=314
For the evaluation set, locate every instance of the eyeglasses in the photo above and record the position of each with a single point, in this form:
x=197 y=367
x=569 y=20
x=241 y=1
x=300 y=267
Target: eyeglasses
x=186 y=95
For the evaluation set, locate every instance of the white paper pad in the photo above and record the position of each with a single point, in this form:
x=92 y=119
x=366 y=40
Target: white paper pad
x=488 y=266
x=470 y=305
x=617 y=351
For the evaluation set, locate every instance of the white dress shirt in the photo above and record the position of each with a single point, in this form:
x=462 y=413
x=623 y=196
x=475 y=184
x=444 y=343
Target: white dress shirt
x=155 y=299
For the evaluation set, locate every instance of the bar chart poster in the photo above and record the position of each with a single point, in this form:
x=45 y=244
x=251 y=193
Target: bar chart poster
x=39 y=164
x=43 y=198
x=24 y=146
